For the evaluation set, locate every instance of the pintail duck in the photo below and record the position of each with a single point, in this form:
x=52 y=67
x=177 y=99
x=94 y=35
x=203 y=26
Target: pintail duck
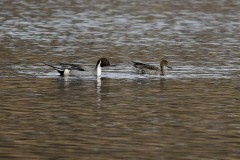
x=150 y=69
x=66 y=69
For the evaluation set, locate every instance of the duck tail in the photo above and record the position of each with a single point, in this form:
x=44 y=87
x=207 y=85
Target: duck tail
x=61 y=71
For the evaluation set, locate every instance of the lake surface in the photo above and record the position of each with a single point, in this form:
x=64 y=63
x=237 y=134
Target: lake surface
x=191 y=113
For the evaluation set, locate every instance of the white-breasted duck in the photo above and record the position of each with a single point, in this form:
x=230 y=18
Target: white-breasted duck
x=66 y=69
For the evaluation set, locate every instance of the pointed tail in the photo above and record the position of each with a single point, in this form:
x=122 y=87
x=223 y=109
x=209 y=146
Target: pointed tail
x=60 y=70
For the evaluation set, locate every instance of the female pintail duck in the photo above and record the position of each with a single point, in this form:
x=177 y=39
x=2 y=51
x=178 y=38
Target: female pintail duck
x=150 y=69
x=66 y=69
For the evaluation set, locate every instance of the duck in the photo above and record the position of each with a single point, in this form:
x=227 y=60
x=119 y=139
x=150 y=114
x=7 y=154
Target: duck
x=66 y=69
x=144 y=68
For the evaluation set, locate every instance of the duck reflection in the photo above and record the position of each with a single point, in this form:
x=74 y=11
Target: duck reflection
x=98 y=89
x=87 y=87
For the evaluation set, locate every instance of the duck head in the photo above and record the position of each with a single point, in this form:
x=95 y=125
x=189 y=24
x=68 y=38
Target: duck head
x=104 y=62
x=164 y=65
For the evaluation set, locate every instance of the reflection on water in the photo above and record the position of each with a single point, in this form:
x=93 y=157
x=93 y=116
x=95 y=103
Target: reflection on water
x=98 y=90
x=191 y=113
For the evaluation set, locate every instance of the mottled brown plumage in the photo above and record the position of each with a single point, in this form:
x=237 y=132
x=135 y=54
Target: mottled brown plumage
x=150 y=69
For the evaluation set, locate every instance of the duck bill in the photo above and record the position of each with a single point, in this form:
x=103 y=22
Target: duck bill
x=169 y=67
x=112 y=65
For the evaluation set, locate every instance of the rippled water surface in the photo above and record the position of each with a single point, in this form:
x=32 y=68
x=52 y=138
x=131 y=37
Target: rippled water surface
x=191 y=113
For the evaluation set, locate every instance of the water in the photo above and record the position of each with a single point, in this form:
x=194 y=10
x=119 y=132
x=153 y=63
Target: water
x=191 y=113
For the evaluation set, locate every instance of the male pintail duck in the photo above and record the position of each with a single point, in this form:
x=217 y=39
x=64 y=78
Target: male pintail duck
x=66 y=69
x=150 y=69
